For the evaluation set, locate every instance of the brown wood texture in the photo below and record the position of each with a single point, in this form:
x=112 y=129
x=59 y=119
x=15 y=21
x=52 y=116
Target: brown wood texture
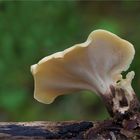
x=73 y=130
x=43 y=130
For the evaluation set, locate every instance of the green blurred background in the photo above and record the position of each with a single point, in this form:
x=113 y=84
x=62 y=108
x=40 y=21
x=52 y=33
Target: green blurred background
x=31 y=30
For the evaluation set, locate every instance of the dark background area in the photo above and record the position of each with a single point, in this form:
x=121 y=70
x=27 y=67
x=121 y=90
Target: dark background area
x=31 y=30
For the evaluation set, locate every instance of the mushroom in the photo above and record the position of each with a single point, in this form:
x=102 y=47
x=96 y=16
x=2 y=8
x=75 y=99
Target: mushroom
x=94 y=65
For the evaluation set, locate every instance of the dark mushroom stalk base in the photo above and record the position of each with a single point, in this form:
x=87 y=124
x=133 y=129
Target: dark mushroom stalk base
x=121 y=100
x=122 y=125
x=118 y=105
x=124 y=109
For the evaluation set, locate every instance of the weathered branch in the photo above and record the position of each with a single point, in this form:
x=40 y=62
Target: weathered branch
x=108 y=129
x=43 y=130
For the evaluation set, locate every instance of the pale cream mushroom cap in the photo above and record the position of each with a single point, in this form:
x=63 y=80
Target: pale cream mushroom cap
x=93 y=65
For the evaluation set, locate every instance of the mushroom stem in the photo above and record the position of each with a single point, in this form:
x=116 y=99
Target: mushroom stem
x=119 y=105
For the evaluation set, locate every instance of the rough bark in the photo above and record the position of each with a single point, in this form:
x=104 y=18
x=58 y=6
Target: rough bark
x=105 y=130
x=44 y=130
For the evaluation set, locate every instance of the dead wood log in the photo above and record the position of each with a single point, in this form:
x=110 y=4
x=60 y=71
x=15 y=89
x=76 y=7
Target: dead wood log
x=73 y=130
x=43 y=130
